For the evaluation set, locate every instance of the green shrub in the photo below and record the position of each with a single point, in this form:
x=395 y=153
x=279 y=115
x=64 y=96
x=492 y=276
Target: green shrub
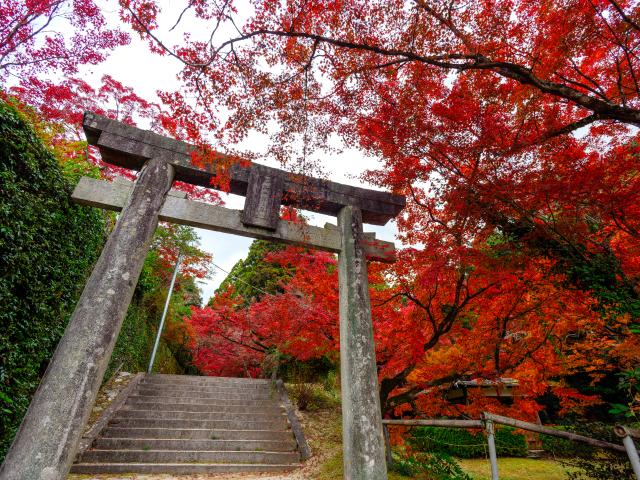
x=132 y=351
x=434 y=466
x=463 y=443
x=47 y=246
x=312 y=396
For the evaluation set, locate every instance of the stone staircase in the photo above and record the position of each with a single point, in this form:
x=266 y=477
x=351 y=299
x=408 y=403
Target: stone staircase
x=178 y=424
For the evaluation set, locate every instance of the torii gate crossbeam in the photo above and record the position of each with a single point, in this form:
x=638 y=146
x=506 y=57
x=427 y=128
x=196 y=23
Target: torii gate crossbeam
x=47 y=441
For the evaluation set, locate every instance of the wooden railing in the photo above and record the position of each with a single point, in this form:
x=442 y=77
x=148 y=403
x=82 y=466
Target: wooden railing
x=489 y=419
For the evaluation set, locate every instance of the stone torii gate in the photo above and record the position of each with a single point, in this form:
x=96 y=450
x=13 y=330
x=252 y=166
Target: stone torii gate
x=46 y=443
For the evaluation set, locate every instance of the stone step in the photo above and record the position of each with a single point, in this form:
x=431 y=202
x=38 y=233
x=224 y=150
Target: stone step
x=203 y=400
x=178 y=468
x=189 y=379
x=245 y=402
x=190 y=415
x=136 y=404
x=187 y=456
x=118 y=421
x=103 y=443
x=182 y=425
x=196 y=433
x=168 y=392
x=221 y=385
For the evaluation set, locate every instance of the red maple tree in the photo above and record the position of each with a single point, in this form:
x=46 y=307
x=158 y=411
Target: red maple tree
x=511 y=127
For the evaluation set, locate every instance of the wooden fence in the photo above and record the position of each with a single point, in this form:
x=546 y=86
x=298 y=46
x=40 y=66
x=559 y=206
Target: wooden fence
x=489 y=419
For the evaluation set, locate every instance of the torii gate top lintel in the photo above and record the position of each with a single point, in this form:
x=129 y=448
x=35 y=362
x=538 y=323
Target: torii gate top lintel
x=130 y=147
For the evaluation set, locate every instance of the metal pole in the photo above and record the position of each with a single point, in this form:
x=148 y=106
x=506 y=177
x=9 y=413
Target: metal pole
x=630 y=447
x=164 y=312
x=493 y=457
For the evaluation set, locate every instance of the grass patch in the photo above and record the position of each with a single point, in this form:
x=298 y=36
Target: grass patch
x=332 y=470
x=515 y=469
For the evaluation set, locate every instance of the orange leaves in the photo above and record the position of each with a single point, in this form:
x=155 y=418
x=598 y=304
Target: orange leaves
x=573 y=401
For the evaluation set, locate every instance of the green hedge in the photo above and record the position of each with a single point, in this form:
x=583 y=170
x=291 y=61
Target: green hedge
x=461 y=443
x=434 y=466
x=47 y=247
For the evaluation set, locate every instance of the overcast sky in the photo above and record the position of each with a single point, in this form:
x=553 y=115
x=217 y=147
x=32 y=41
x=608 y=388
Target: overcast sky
x=147 y=73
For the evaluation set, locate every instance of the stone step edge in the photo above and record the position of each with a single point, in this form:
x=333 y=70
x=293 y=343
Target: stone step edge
x=214 y=384
x=173 y=386
x=200 y=430
x=117 y=421
x=181 y=468
x=195 y=397
x=152 y=439
x=226 y=452
x=222 y=401
x=277 y=415
x=209 y=406
x=133 y=464
x=203 y=378
x=180 y=464
x=214 y=396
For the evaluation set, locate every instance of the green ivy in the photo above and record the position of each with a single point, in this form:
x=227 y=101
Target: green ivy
x=47 y=248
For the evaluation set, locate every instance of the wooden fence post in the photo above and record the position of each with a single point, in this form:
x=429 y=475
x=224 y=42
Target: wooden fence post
x=493 y=456
x=45 y=446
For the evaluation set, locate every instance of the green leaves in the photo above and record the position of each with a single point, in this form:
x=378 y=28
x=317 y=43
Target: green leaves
x=255 y=274
x=47 y=246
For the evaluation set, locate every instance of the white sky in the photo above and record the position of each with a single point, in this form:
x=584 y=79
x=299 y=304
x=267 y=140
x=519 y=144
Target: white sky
x=146 y=73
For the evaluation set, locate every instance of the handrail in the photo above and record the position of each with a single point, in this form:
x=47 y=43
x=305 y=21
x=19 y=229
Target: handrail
x=488 y=419
x=511 y=422
x=628 y=434
x=435 y=423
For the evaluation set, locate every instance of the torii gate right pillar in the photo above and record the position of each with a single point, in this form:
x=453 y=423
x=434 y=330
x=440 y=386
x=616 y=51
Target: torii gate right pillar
x=362 y=436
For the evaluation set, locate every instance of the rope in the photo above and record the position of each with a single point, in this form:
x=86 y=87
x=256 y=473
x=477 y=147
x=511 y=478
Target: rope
x=503 y=445
x=301 y=301
x=241 y=280
x=453 y=444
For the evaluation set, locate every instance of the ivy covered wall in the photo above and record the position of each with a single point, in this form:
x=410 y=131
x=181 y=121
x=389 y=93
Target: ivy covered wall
x=47 y=248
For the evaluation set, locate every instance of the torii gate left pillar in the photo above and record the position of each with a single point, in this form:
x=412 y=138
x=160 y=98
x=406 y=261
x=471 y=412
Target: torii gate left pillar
x=45 y=445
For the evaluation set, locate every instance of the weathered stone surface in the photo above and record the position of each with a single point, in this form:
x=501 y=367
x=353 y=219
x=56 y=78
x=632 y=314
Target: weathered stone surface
x=48 y=438
x=296 y=427
x=112 y=196
x=117 y=403
x=129 y=147
x=362 y=436
x=262 y=203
